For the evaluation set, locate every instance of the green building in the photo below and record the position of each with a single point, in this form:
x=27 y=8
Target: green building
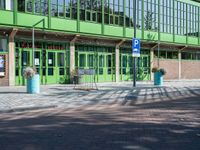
x=97 y=34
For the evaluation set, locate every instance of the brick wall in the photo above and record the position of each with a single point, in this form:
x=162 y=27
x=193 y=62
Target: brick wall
x=171 y=66
x=4 y=81
x=190 y=69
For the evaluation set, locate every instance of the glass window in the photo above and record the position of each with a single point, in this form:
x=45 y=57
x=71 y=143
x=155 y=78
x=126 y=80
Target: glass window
x=186 y=55
x=82 y=60
x=3 y=45
x=101 y=61
x=124 y=61
x=61 y=59
x=29 y=5
x=90 y=60
x=109 y=61
x=6 y=4
x=2 y=4
x=198 y=56
x=21 y=5
x=163 y=54
x=51 y=59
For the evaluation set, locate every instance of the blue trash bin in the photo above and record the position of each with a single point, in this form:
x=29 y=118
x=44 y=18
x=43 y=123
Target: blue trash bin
x=158 y=78
x=33 y=84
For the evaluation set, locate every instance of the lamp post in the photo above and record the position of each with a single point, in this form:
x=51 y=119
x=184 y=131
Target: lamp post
x=33 y=39
x=134 y=58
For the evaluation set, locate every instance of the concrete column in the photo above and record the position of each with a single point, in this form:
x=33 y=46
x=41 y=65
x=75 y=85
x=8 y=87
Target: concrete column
x=151 y=63
x=11 y=59
x=117 y=64
x=179 y=64
x=72 y=56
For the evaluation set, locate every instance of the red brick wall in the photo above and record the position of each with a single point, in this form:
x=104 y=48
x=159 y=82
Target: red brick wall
x=4 y=81
x=190 y=69
x=171 y=67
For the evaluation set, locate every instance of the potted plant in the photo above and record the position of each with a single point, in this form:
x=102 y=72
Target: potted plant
x=33 y=80
x=158 y=75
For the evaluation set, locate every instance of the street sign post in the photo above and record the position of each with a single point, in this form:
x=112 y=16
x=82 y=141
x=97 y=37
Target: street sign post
x=136 y=47
x=135 y=54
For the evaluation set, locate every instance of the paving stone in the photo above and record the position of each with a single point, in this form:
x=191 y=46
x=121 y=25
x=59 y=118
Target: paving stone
x=14 y=98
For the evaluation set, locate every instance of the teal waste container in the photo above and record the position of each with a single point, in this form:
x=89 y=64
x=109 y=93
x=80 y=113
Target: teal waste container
x=33 y=84
x=158 y=78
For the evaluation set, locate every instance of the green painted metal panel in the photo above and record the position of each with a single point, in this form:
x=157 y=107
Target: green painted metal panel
x=6 y=17
x=193 y=40
x=29 y=20
x=180 y=39
x=88 y=27
x=129 y=33
x=63 y=24
x=166 y=37
x=139 y=34
x=113 y=30
x=151 y=36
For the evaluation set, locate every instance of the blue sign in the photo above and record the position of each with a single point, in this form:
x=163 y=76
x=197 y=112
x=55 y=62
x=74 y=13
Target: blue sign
x=136 y=47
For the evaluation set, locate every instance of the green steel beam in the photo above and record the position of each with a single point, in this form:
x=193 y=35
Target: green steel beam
x=103 y=23
x=173 y=20
x=49 y=14
x=187 y=24
x=142 y=19
x=15 y=12
x=158 y=21
x=124 y=25
x=78 y=15
x=199 y=25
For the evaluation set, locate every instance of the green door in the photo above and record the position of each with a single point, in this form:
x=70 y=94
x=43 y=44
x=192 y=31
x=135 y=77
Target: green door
x=23 y=59
x=126 y=69
x=109 y=68
x=105 y=67
x=101 y=68
x=56 y=67
x=87 y=61
x=62 y=76
x=143 y=65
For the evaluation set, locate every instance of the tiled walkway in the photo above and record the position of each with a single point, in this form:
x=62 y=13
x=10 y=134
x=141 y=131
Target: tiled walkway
x=16 y=98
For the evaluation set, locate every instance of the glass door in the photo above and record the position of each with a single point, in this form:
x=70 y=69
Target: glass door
x=26 y=60
x=86 y=61
x=61 y=66
x=51 y=67
x=101 y=68
x=143 y=68
x=124 y=69
x=109 y=68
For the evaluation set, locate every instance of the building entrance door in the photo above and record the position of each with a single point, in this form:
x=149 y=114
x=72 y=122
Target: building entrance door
x=105 y=67
x=23 y=59
x=55 y=67
x=126 y=67
x=87 y=60
x=143 y=67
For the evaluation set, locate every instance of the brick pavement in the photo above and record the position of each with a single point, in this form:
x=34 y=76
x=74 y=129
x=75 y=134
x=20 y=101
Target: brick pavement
x=114 y=118
x=15 y=98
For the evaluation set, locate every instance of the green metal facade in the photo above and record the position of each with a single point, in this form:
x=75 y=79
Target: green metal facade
x=171 y=23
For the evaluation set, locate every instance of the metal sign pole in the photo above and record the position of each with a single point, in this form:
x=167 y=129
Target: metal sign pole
x=33 y=47
x=134 y=58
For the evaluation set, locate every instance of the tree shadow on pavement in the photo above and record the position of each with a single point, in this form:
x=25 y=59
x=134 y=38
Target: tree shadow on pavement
x=162 y=126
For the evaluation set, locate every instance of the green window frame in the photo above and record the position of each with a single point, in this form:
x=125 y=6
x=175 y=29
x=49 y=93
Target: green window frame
x=91 y=10
x=190 y=55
